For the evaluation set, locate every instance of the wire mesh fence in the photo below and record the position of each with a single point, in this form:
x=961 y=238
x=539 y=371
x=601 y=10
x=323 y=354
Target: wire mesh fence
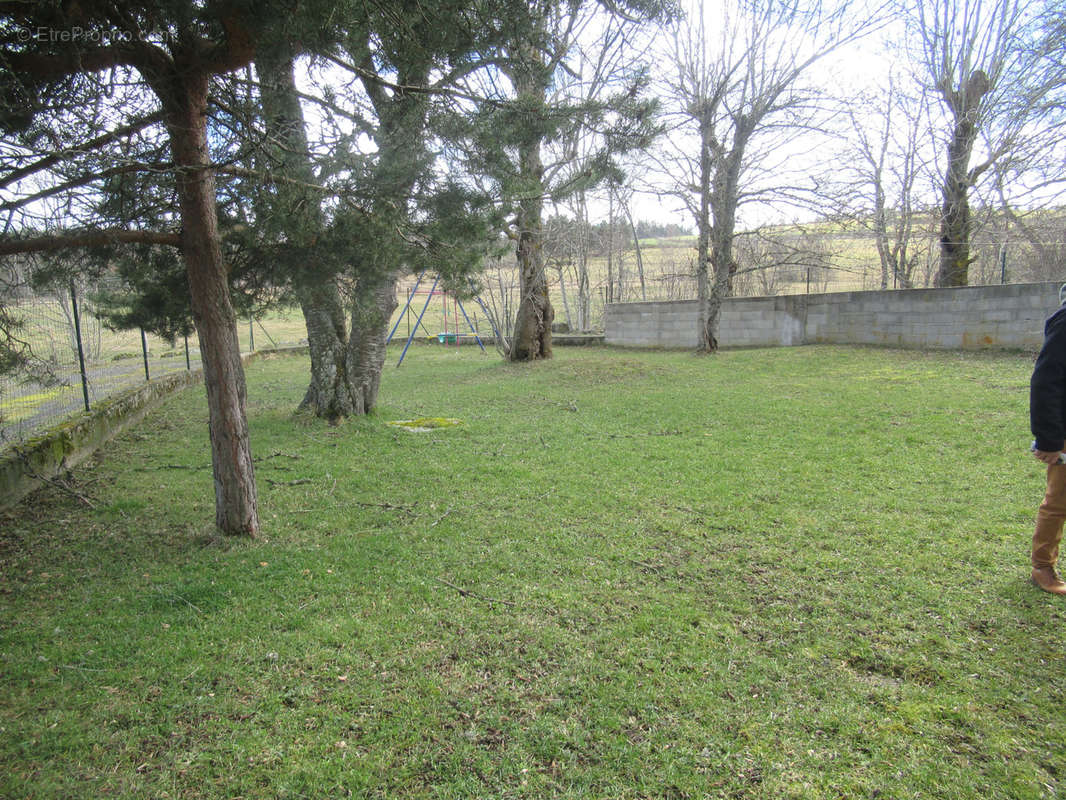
x=75 y=361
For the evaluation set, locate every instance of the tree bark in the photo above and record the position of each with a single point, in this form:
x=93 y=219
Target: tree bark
x=533 y=322
x=584 y=298
x=881 y=232
x=372 y=307
x=236 y=497
x=724 y=209
x=708 y=341
x=955 y=221
x=328 y=395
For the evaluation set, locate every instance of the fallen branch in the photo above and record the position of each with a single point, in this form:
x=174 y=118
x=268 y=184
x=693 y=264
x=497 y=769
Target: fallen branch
x=57 y=484
x=440 y=519
x=467 y=593
x=297 y=482
x=276 y=454
x=386 y=506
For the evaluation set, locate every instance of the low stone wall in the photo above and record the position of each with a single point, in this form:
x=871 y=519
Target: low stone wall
x=26 y=466
x=971 y=317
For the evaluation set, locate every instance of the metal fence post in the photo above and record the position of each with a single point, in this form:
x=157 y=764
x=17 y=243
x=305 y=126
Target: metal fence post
x=81 y=350
x=251 y=337
x=144 y=352
x=188 y=365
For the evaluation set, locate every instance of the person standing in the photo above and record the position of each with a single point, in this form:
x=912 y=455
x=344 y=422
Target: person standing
x=1047 y=420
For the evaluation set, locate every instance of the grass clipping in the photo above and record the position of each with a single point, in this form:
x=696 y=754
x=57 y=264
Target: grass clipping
x=423 y=424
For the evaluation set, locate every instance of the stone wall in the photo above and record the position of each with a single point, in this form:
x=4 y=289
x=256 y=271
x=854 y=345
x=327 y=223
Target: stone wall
x=26 y=466
x=971 y=317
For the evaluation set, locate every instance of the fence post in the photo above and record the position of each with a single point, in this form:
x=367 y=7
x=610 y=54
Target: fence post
x=81 y=350
x=188 y=365
x=251 y=337
x=144 y=352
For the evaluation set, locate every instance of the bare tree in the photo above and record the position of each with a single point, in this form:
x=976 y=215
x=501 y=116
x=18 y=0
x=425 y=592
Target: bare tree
x=987 y=62
x=624 y=195
x=740 y=96
x=770 y=258
x=1030 y=180
x=582 y=246
x=881 y=167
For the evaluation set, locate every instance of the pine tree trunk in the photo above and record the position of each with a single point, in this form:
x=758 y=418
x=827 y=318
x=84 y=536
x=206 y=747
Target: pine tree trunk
x=532 y=330
x=231 y=456
x=328 y=394
x=533 y=323
x=372 y=308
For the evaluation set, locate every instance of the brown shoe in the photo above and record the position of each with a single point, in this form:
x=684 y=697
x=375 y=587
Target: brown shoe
x=1048 y=580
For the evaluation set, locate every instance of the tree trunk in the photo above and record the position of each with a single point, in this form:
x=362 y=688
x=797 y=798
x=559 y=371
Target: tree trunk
x=724 y=209
x=216 y=324
x=881 y=233
x=372 y=307
x=329 y=394
x=640 y=254
x=708 y=341
x=533 y=323
x=610 y=248
x=955 y=220
x=584 y=296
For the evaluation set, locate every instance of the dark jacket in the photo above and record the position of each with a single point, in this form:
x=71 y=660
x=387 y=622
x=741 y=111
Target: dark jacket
x=1047 y=388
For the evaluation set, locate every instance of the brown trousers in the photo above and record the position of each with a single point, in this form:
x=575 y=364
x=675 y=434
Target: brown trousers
x=1050 y=518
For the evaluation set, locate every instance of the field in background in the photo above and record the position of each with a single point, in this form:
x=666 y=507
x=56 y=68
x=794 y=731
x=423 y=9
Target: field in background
x=816 y=258
x=627 y=575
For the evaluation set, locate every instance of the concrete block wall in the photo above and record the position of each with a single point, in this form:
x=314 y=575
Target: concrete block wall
x=967 y=318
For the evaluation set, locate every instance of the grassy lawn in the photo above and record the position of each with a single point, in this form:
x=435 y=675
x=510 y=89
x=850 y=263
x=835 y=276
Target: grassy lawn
x=791 y=573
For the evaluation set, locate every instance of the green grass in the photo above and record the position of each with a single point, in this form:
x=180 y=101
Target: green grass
x=792 y=573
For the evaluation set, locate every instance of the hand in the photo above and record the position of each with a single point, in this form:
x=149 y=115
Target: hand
x=1048 y=457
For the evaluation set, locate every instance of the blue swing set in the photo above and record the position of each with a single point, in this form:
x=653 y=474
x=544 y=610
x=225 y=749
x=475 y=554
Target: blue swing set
x=447 y=336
